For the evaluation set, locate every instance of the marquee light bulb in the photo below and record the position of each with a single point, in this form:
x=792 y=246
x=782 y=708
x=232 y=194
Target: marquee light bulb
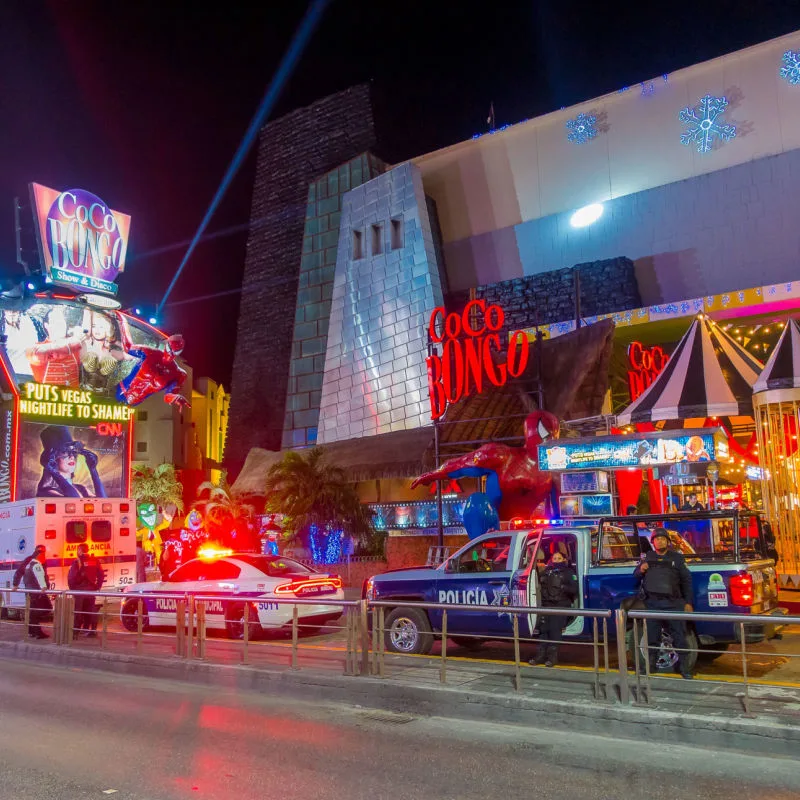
x=152 y=320
x=586 y=215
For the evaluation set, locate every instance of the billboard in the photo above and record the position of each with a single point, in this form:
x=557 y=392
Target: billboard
x=72 y=344
x=72 y=460
x=82 y=242
x=639 y=450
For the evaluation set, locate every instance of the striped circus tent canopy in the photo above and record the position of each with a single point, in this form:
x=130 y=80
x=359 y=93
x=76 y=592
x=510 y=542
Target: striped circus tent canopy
x=783 y=367
x=708 y=375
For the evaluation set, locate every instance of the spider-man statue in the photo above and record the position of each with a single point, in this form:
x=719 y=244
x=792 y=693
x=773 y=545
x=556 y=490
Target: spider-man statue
x=512 y=476
x=156 y=371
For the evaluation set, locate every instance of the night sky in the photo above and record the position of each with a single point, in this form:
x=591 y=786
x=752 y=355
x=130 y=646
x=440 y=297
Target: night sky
x=144 y=103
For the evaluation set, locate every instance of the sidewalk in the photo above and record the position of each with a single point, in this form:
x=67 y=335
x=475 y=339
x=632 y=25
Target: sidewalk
x=708 y=714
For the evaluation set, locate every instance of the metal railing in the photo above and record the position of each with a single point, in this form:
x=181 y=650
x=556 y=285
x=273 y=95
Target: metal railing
x=643 y=649
x=619 y=673
x=599 y=643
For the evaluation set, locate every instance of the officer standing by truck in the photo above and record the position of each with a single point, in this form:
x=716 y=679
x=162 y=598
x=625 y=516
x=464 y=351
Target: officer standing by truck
x=559 y=585
x=666 y=585
x=85 y=575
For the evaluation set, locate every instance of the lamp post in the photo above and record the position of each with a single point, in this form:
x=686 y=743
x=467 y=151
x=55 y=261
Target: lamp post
x=713 y=474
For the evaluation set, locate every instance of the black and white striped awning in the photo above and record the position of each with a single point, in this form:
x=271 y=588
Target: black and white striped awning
x=783 y=367
x=708 y=375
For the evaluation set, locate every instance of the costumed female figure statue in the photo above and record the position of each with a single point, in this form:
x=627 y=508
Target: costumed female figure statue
x=512 y=473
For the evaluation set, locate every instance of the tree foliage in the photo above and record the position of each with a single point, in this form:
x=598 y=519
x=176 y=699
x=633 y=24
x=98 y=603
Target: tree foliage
x=159 y=485
x=309 y=491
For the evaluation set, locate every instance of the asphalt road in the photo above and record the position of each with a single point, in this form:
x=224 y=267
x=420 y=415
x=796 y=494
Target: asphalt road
x=79 y=734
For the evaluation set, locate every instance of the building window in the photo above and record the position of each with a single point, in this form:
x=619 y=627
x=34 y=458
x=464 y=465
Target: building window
x=376 y=232
x=358 y=245
x=141 y=416
x=397 y=234
x=141 y=447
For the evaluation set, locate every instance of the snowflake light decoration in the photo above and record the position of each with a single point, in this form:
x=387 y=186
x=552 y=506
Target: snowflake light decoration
x=704 y=124
x=791 y=72
x=582 y=128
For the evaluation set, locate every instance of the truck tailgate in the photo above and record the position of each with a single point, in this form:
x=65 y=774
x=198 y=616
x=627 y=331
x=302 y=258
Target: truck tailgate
x=765 y=586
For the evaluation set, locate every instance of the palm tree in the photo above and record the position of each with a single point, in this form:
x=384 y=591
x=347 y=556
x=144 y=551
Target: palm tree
x=219 y=503
x=159 y=485
x=308 y=491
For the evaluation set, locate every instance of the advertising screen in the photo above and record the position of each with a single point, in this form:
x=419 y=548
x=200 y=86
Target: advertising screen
x=82 y=241
x=597 y=505
x=642 y=450
x=584 y=482
x=56 y=460
x=71 y=345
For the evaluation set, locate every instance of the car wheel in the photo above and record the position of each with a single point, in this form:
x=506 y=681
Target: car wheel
x=667 y=658
x=234 y=621
x=467 y=642
x=128 y=615
x=408 y=631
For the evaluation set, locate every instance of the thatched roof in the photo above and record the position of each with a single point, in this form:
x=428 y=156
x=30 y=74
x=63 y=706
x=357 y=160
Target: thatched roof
x=399 y=454
x=575 y=380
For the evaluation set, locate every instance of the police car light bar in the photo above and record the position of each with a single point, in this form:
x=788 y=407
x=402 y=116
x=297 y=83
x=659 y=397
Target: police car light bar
x=520 y=524
x=209 y=552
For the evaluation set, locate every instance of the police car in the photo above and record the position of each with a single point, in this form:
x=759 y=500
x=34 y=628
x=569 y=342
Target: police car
x=248 y=579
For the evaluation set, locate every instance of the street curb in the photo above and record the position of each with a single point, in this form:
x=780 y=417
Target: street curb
x=761 y=736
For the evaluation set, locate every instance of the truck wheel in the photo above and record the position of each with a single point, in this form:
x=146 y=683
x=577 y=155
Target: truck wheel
x=467 y=642
x=408 y=630
x=234 y=622
x=129 y=613
x=667 y=658
x=706 y=657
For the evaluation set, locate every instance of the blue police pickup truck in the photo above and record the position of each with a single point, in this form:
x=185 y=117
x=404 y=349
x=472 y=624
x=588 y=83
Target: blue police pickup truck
x=727 y=553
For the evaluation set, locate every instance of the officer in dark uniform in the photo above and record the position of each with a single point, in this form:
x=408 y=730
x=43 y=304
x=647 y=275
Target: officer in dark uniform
x=85 y=575
x=559 y=585
x=666 y=585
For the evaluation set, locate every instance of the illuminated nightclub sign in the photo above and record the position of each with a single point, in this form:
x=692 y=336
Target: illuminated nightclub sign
x=82 y=241
x=644 y=366
x=639 y=450
x=467 y=353
x=60 y=403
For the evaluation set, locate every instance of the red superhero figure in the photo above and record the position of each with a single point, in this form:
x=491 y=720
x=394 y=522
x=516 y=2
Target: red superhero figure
x=512 y=472
x=157 y=371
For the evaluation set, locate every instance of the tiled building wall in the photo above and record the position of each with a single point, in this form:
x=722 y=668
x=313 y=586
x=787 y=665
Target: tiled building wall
x=386 y=284
x=315 y=287
x=292 y=152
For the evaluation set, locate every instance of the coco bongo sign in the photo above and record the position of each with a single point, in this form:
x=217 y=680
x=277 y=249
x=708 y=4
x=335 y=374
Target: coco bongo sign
x=469 y=342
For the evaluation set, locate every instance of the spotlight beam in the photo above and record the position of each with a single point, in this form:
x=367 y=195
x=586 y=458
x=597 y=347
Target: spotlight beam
x=279 y=79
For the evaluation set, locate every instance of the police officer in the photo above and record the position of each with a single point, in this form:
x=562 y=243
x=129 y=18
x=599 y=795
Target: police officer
x=559 y=585
x=36 y=578
x=666 y=585
x=85 y=575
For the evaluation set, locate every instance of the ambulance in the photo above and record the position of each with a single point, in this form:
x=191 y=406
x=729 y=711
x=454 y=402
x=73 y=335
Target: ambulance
x=106 y=525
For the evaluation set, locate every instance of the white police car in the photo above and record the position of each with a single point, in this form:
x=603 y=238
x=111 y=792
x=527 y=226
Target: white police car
x=257 y=581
